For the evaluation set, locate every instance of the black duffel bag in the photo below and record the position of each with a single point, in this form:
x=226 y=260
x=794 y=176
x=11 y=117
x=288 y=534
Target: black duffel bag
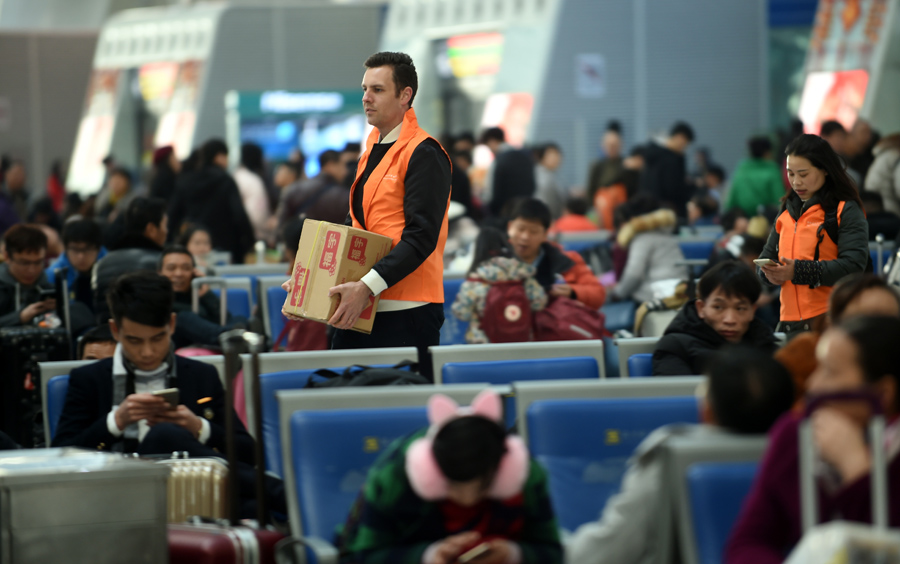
x=359 y=375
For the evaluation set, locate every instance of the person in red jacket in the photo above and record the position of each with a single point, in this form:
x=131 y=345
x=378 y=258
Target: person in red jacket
x=561 y=273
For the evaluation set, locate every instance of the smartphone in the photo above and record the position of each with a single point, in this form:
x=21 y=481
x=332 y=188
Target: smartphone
x=170 y=395
x=47 y=293
x=766 y=262
x=471 y=554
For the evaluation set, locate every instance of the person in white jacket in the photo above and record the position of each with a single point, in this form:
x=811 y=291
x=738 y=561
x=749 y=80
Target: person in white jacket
x=253 y=189
x=884 y=174
x=746 y=391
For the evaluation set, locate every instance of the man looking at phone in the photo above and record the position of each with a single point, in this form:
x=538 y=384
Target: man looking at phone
x=110 y=404
x=25 y=292
x=723 y=312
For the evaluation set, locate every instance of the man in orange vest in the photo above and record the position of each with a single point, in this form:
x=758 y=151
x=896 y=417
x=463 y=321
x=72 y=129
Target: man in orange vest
x=402 y=190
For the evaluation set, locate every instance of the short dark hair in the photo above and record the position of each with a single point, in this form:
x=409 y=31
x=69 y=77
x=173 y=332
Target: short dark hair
x=404 y=71
x=24 y=238
x=748 y=389
x=493 y=134
x=831 y=127
x=682 y=128
x=851 y=287
x=295 y=168
x=82 y=231
x=879 y=355
x=143 y=211
x=578 y=206
x=752 y=246
x=732 y=278
x=542 y=150
x=252 y=157
x=99 y=334
x=716 y=171
x=707 y=203
x=490 y=243
x=759 y=146
x=469 y=448
x=144 y=297
x=174 y=250
x=352 y=147
x=729 y=218
x=329 y=156
x=872 y=201
x=614 y=125
x=531 y=209
x=211 y=149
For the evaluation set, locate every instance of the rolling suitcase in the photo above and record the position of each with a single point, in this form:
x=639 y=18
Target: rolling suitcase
x=843 y=541
x=230 y=541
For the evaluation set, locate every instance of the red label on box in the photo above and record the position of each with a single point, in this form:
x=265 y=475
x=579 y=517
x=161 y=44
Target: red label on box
x=367 y=313
x=357 y=250
x=329 y=252
x=298 y=292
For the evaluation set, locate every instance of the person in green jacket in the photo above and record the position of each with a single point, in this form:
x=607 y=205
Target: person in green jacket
x=757 y=180
x=461 y=484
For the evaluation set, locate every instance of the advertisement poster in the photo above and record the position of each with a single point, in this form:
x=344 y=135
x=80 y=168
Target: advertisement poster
x=94 y=138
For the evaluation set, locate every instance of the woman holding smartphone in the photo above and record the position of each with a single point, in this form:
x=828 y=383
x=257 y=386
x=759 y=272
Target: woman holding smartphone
x=820 y=236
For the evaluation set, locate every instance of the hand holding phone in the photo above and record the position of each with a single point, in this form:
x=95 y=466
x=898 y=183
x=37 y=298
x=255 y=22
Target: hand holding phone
x=170 y=395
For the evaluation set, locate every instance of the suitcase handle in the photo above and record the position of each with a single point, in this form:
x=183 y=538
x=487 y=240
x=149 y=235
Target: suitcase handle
x=809 y=497
x=212 y=282
x=235 y=342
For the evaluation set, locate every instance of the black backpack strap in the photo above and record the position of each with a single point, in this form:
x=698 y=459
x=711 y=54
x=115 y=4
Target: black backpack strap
x=830 y=226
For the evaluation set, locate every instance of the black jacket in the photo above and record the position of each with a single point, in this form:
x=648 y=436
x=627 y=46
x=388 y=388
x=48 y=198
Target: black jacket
x=210 y=197
x=513 y=178
x=133 y=253
x=664 y=178
x=688 y=343
x=9 y=309
x=90 y=398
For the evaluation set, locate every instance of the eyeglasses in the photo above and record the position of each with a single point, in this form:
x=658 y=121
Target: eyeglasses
x=82 y=250
x=28 y=263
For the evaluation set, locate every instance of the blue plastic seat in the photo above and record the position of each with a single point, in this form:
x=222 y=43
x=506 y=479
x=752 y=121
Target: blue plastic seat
x=453 y=331
x=238 y=302
x=696 y=249
x=508 y=371
x=328 y=479
x=717 y=491
x=640 y=365
x=57 y=389
x=271 y=432
x=585 y=445
x=619 y=315
x=275 y=296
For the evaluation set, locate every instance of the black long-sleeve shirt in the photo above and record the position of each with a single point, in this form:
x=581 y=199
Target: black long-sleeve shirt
x=427 y=189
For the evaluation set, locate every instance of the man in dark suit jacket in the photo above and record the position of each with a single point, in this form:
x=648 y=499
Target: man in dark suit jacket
x=110 y=404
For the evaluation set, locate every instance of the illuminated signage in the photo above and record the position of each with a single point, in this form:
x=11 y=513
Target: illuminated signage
x=283 y=102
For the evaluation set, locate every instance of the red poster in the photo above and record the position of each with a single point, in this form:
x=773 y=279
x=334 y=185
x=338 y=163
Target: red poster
x=329 y=252
x=357 y=250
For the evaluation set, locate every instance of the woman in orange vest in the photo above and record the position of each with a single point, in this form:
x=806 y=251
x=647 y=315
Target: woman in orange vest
x=820 y=236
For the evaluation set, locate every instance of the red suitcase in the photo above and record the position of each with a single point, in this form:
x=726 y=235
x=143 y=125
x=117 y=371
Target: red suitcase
x=231 y=542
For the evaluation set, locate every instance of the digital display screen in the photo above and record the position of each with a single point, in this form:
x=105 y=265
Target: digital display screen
x=477 y=54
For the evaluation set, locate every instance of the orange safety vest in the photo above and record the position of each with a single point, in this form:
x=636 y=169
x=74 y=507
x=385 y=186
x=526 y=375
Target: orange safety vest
x=797 y=240
x=383 y=209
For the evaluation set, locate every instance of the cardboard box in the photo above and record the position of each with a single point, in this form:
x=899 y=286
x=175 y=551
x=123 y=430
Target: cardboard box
x=329 y=255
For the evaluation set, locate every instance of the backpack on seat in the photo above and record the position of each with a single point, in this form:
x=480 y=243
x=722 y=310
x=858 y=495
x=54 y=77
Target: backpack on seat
x=507 y=312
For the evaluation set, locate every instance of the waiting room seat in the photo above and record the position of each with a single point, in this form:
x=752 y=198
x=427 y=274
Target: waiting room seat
x=640 y=365
x=619 y=315
x=271 y=300
x=630 y=347
x=453 y=331
x=717 y=491
x=581 y=240
x=50 y=370
x=54 y=399
x=508 y=371
x=515 y=351
x=584 y=446
x=527 y=393
x=324 y=481
x=680 y=454
x=292 y=374
x=696 y=249
x=239 y=293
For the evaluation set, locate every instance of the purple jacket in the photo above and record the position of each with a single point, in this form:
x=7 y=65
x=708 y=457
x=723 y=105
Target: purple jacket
x=769 y=524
